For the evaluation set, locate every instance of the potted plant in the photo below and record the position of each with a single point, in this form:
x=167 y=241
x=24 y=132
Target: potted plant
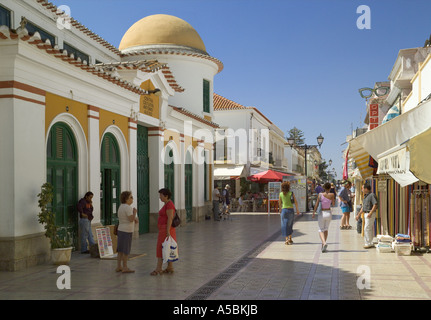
x=61 y=247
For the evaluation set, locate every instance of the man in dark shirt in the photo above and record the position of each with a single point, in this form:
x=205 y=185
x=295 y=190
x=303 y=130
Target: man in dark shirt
x=369 y=208
x=85 y=209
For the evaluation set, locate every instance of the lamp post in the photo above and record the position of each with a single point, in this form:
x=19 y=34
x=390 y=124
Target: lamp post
x=291 y=142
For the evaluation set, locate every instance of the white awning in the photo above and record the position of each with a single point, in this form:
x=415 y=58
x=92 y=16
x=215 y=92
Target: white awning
x=396 y=131
x=227 y=173
x=396 y=163
x=389 y=135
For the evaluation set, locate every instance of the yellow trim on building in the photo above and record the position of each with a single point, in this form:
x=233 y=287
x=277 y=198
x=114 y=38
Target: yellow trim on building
x=56 y=105
x=107 y=118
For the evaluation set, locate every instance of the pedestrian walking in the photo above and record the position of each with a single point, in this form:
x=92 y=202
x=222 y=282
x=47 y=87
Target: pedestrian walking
x=85 y=209
x=127 y=217
x=325 y=201
x=164 y=223
x=216 y=203
x=287 y=215
x=369 y=208
x=226 y=199
x=346 y=205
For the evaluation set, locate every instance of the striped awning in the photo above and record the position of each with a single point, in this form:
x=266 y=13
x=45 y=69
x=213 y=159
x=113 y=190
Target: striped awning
x=361 y=158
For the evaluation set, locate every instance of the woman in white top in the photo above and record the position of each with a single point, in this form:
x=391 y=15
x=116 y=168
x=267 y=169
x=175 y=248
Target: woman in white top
x=126 y=225
x=326 y=200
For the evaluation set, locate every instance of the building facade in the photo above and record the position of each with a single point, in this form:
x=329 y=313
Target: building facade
x=84 y=115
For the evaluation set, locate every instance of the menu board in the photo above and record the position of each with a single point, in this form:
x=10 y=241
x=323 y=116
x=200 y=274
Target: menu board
x=105 y=242
x=274 y=189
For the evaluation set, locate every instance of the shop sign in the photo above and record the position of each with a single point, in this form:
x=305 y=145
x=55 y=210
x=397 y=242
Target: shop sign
x=393 y=163
x=374 y=115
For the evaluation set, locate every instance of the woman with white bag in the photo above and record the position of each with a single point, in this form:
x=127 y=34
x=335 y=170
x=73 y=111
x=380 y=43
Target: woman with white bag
x=164 y=223
x=326 y=201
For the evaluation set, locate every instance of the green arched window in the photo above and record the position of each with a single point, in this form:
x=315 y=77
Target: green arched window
x=110 y=172
x=62 y=173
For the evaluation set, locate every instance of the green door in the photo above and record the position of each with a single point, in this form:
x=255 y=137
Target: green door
x=62 y=168
x=110 y=169
x=143 y=195
x=188 y=170
x=170 y=172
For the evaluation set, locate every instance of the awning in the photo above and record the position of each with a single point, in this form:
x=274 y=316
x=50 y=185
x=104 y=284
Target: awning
x=227 y=173
x=396 y=163
x=395 y=131
x=361 y=158
x=389 y=135
x=420 y=155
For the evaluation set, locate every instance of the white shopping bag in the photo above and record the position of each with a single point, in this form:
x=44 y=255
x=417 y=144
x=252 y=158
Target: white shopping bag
x=169 y=250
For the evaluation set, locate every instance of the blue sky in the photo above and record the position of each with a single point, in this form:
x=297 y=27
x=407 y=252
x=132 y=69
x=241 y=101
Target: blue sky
x=300 y=62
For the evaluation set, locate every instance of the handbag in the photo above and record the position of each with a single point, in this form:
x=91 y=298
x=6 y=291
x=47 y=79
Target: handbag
x=176 y=221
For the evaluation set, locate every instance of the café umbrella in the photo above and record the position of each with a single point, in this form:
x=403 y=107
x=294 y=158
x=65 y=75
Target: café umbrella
x=267 y=176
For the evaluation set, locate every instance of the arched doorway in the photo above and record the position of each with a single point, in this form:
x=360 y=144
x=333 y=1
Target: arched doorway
x=62 y=173
x=110 y=173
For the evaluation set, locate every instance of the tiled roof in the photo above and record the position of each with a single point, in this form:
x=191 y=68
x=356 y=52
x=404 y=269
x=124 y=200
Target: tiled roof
x=145 y=66
x=222 y=103
x=174 y=51
x=195 y=116
x=53 y=8
x=35 y=40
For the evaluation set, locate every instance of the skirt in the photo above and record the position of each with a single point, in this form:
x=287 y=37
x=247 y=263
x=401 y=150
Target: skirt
x=161 y=238
x=124 y=243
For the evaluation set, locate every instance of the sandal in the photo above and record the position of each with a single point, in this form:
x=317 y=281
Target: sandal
x=128 y=271
x=155 y=273
x=119 y=270
x=168 y=270
x=342 y=227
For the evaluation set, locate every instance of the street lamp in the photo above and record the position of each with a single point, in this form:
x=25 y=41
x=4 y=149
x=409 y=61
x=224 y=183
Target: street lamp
x=291 y=142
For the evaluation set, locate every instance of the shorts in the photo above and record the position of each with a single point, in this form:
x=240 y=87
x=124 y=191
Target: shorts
x=324 y=219
x=346 y=209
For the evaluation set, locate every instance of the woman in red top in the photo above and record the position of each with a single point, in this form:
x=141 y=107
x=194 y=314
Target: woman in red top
x=164 y=223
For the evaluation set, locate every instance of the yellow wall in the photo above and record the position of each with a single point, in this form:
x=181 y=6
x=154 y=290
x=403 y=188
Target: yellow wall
x=107 y=119
x=56 y=105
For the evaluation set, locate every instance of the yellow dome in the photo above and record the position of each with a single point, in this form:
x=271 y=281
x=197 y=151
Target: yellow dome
x=161 y=29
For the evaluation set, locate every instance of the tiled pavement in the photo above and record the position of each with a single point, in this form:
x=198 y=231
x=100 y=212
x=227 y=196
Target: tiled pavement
x=243 y=258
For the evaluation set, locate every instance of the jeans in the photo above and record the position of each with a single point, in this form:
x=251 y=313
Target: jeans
x=86 y=234
x=369 y=228
x=287 y=216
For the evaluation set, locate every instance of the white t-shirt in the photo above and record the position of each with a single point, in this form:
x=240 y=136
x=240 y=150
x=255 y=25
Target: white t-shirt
x=124 y=224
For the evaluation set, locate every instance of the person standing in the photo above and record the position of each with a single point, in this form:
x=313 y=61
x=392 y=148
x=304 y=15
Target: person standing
x=127 y=217
x=164 y=223
x=326 y=200
x=226 y=199
x=369 y=208
x=85 y=209
x=345 y=197
x=216 y=203
x=287 y=215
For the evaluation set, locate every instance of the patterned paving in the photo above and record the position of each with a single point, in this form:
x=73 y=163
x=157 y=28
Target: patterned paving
x=243 y=258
